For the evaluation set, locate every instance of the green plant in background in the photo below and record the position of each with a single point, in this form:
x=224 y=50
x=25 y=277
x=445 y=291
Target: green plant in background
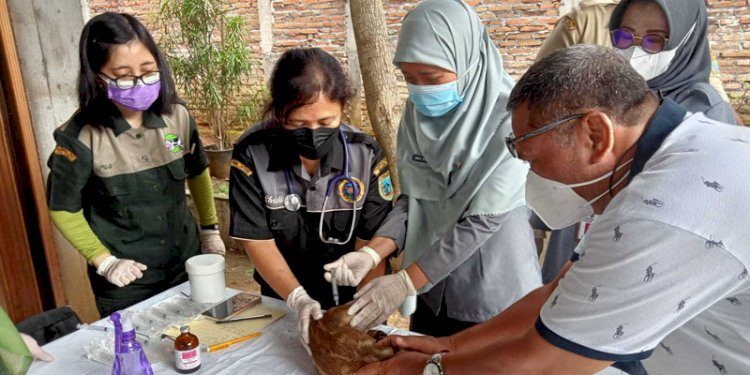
x=213 y=67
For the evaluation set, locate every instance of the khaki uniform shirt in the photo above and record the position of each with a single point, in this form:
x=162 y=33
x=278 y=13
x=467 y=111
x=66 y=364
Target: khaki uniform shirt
x=587 y=23
x=130 y=184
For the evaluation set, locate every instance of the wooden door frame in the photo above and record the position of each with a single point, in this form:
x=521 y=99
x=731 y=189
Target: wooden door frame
x=18 y=134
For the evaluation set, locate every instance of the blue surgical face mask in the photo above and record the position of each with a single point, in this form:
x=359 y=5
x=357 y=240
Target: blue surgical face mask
x=434 y=100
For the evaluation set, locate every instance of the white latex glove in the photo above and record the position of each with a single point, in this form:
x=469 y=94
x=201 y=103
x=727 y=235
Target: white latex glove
x=120 y=272
x=35 y=350
x=352 y=267
x=379 y=299
x=211 y=242
x=305 y=307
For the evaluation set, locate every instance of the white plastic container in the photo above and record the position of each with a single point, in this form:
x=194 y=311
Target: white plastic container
x=206 y=275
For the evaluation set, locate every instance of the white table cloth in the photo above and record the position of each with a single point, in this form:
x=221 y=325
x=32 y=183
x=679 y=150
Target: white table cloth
x=276 y=351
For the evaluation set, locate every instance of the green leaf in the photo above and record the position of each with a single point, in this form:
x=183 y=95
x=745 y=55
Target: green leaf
x=214 y=68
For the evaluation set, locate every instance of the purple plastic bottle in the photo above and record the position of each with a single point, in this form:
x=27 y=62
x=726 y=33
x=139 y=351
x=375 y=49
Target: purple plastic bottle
x=129 y=356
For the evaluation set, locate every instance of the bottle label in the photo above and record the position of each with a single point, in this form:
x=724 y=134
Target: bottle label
x=187 y=359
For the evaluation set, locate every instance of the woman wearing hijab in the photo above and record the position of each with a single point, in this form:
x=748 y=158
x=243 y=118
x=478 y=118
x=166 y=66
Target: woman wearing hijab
x=469 y=249
x=666 y=42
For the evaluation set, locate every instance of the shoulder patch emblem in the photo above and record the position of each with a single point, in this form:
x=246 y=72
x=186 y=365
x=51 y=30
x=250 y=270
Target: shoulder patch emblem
x=380 y=167
x=346 y=190
x=59 y=150
x=385 y=186
x=173 y=143
x=242 y=167
x=570 y=24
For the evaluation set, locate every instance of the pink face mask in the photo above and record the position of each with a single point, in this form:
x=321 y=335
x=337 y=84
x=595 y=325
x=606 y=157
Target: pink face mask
x=137 y=98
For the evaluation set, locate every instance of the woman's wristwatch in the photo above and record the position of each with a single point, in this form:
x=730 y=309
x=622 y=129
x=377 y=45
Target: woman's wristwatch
x=434 y=365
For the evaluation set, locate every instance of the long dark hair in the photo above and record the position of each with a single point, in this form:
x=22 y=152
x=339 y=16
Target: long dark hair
x=99 y=36
x=299 y=76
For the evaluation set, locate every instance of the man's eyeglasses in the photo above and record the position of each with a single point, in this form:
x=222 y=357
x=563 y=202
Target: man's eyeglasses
x=128 y=82
x=510 y=141
x=651 y=43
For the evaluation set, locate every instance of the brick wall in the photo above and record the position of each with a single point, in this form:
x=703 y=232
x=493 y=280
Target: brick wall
x=517 y=26
x=729 y=32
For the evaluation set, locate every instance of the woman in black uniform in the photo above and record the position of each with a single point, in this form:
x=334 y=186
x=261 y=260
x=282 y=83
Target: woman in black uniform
x=306 y=189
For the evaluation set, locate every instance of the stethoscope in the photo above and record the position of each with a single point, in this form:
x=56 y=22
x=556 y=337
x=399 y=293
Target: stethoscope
x=292 y=201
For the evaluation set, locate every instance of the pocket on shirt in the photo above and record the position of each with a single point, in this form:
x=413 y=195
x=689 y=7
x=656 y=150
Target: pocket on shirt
x=340 y=223
x=117 y=193
x=177 y=170
x=285 y=227
x=115 y=186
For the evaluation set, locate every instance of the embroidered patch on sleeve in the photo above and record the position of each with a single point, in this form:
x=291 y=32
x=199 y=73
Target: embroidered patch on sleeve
x=242 y=167
x=380 y=167
x=59 y=150
x=385 y=186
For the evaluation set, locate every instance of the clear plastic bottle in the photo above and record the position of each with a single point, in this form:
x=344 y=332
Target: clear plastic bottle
x=130 y=359
x=187 y=354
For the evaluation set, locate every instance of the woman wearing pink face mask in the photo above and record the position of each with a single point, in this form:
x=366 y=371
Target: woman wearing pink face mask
x=116 y=187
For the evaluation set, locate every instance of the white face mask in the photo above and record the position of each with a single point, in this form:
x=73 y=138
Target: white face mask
x=651 y=65
x=557 y=204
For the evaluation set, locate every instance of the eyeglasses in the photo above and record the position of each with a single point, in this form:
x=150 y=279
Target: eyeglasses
x=510 y=140
x=651 y=43
x=128 y=82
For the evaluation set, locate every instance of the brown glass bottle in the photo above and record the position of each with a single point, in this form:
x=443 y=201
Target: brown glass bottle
x=187 y=354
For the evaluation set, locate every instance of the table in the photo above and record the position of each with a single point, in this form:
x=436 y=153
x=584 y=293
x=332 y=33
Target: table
x=277 y=351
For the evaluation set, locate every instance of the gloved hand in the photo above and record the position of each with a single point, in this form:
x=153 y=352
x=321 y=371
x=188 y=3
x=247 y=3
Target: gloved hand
x=379 y=298
x=35 y=350
x=305 y=307
x=352 y=267
x=120 y=272
x=211 y=242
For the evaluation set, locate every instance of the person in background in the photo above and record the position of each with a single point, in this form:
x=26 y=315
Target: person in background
x=662 y=275
x=17 y=350
x=469 y=250
x=306 y=189
x=666 y=41
x=586 y=23
x=116 y=187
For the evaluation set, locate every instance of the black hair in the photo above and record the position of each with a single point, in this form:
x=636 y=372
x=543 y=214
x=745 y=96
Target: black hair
x=299 y=76
x=582 y=77
x=98 y=37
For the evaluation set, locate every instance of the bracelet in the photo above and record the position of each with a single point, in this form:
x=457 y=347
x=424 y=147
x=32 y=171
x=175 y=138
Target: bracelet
x=210 y=226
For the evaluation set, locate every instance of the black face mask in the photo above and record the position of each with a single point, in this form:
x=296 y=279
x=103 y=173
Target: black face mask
x=313 y=144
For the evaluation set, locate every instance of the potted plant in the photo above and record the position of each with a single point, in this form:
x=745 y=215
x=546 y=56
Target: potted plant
x=213 y=68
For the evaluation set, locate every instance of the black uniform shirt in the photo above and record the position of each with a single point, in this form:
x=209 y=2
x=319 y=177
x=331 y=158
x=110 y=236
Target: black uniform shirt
x=262 y=161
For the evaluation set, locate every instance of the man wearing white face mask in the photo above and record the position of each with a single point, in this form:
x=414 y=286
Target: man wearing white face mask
x=674 y=64
x=662 y=275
